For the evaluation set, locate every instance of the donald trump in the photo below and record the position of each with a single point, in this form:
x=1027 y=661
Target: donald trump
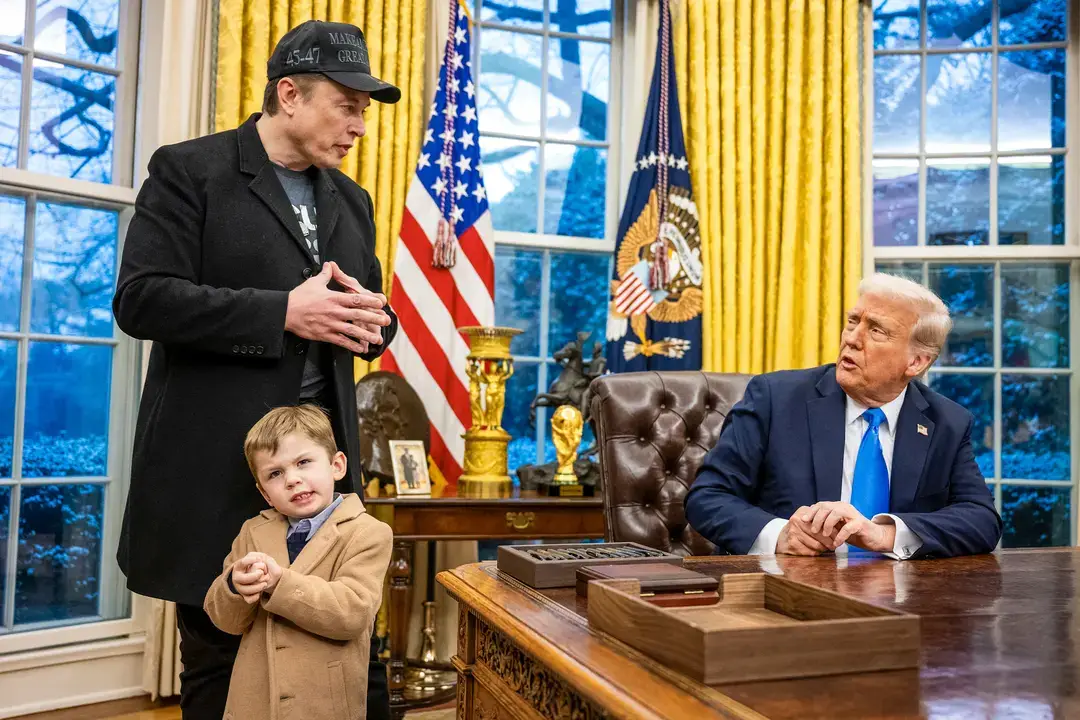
x=859 y=453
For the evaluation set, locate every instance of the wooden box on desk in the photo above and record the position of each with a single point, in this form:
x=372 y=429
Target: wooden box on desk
x=764 y=628
x=518 y=561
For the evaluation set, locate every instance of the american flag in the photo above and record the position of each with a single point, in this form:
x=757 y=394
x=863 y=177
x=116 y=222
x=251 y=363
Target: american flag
x=447 y=198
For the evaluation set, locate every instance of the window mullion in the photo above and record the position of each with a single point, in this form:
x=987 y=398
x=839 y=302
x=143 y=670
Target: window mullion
x=545 y=349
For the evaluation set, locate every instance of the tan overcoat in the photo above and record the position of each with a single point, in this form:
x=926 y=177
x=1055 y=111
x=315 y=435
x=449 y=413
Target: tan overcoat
x=304 y=653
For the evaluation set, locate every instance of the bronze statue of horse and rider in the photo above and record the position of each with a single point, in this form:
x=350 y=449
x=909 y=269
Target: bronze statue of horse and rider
x=571 y=387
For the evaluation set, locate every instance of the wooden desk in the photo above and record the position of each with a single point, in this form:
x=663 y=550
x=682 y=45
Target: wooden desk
x=999 y=639
x=522 y=515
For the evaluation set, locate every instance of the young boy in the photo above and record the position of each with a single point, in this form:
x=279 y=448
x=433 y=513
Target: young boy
x=303 y=581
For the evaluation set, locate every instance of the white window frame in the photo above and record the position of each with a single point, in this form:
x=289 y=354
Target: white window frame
x=993 y=253
x=114 y=598
x=549 y=242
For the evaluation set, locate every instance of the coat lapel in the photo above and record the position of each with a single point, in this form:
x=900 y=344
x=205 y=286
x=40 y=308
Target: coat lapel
x=269 y=537
x=326 y=210
x=913 y=435
x=826 y=417
x=265 y=185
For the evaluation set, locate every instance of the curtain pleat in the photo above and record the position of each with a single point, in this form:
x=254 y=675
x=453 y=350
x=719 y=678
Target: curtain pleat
x=773 y=120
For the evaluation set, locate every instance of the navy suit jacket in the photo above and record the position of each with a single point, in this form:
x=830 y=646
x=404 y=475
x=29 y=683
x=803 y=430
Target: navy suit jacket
x=782 y=447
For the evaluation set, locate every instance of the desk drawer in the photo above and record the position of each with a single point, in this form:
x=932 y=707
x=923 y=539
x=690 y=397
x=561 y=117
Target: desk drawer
x=480 y=523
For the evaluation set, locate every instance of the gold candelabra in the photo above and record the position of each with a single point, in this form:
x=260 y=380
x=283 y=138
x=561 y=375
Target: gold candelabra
x=488 y=367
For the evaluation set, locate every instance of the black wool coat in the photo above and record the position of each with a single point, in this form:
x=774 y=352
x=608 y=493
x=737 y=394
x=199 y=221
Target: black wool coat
x=210 y=256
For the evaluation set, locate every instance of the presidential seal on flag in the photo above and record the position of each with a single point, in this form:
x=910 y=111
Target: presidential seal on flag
x=654 y=319
x=679 y=298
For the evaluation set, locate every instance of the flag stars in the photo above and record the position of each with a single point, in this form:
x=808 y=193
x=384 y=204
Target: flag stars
x=446 y=135
x=460 y=190
x=456 y=61
x=455 y=84
x=466 y=139
x=425 y=161
x=459 y=35
x=429 y=136
x=444 y=161
x=464 y=165
x=439 y=187
x=470 y=89
x=682 y=163
x=469 y=114
x=456 y=214
x=450 y=111
x=479 y=192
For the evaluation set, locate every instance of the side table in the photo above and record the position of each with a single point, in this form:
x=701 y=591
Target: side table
x=521 y=515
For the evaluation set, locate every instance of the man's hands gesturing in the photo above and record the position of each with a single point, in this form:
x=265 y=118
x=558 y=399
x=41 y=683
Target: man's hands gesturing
x=352 y=319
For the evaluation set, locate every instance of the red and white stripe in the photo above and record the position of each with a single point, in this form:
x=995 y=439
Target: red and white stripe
x=632 y=297
x=431 y=304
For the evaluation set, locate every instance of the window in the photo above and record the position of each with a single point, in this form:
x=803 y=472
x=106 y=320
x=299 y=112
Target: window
x=545 y=75
x=973 y=178
x=67 y=376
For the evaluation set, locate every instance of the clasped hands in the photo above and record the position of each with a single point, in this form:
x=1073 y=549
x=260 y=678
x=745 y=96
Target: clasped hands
x=352 y=319
x=826 y=526
x=254 y=574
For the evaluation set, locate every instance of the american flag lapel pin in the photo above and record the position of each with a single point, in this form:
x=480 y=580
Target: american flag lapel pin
x=922 y=430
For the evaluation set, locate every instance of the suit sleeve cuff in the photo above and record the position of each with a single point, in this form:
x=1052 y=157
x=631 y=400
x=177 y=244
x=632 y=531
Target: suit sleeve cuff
x=767 y=538
x=906 y=544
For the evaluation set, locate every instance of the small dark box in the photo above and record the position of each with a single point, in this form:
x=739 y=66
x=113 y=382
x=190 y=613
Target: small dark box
x=661 y=584
x=553 y=566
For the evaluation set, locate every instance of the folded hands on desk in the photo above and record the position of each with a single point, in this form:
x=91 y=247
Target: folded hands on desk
x=826 y=526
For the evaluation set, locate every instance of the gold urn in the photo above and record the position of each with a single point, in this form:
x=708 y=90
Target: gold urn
x=488 y=367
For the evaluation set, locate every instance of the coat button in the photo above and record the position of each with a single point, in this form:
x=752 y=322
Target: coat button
x=307 y=272
x=236 y=348
x=243 y=349
x=259 y=350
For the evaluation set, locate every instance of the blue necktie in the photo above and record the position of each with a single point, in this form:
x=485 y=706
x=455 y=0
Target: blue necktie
x=297 y=539
x=870 y=486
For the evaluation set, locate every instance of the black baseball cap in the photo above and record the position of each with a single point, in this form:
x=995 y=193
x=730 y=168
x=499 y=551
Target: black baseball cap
x=336 y=50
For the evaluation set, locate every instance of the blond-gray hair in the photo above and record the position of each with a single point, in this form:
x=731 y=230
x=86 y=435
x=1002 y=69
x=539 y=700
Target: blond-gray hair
x=933 y=323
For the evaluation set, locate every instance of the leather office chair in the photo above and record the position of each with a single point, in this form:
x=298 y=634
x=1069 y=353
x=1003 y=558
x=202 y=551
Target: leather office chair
x=653 y=430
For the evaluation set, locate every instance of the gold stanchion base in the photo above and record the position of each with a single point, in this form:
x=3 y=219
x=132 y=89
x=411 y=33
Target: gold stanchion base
x=485 y=464
x=424 y=683
x=485 y=486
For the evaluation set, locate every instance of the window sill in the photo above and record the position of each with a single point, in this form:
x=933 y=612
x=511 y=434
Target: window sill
x=69 y=635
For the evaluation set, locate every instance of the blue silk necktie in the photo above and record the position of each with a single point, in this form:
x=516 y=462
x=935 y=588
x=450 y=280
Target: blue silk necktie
x=298 y=538
x=870 y=486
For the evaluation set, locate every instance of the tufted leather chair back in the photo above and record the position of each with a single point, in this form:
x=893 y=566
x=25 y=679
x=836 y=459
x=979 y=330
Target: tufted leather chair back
x=653 y=429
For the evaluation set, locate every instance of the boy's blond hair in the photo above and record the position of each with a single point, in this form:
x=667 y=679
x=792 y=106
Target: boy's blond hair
x=308 y=420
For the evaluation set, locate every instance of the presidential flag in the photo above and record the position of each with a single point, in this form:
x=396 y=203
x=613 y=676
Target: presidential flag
x=654 y=318
x=444 y=272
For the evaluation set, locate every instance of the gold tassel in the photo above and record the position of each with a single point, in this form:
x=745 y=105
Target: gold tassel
x=445 y=255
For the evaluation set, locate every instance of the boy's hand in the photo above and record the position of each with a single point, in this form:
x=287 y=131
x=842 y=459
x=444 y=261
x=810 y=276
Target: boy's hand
x=273 y=573
x=249 y=576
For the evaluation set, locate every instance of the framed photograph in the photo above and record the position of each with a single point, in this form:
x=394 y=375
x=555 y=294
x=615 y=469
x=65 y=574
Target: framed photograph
x=410 y=467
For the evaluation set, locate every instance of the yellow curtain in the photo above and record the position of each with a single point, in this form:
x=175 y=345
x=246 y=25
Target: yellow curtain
x=383 y=160
x=771 y=104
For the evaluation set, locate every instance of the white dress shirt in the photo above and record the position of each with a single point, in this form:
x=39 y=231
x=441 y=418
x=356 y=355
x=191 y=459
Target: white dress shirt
x=907 y=542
